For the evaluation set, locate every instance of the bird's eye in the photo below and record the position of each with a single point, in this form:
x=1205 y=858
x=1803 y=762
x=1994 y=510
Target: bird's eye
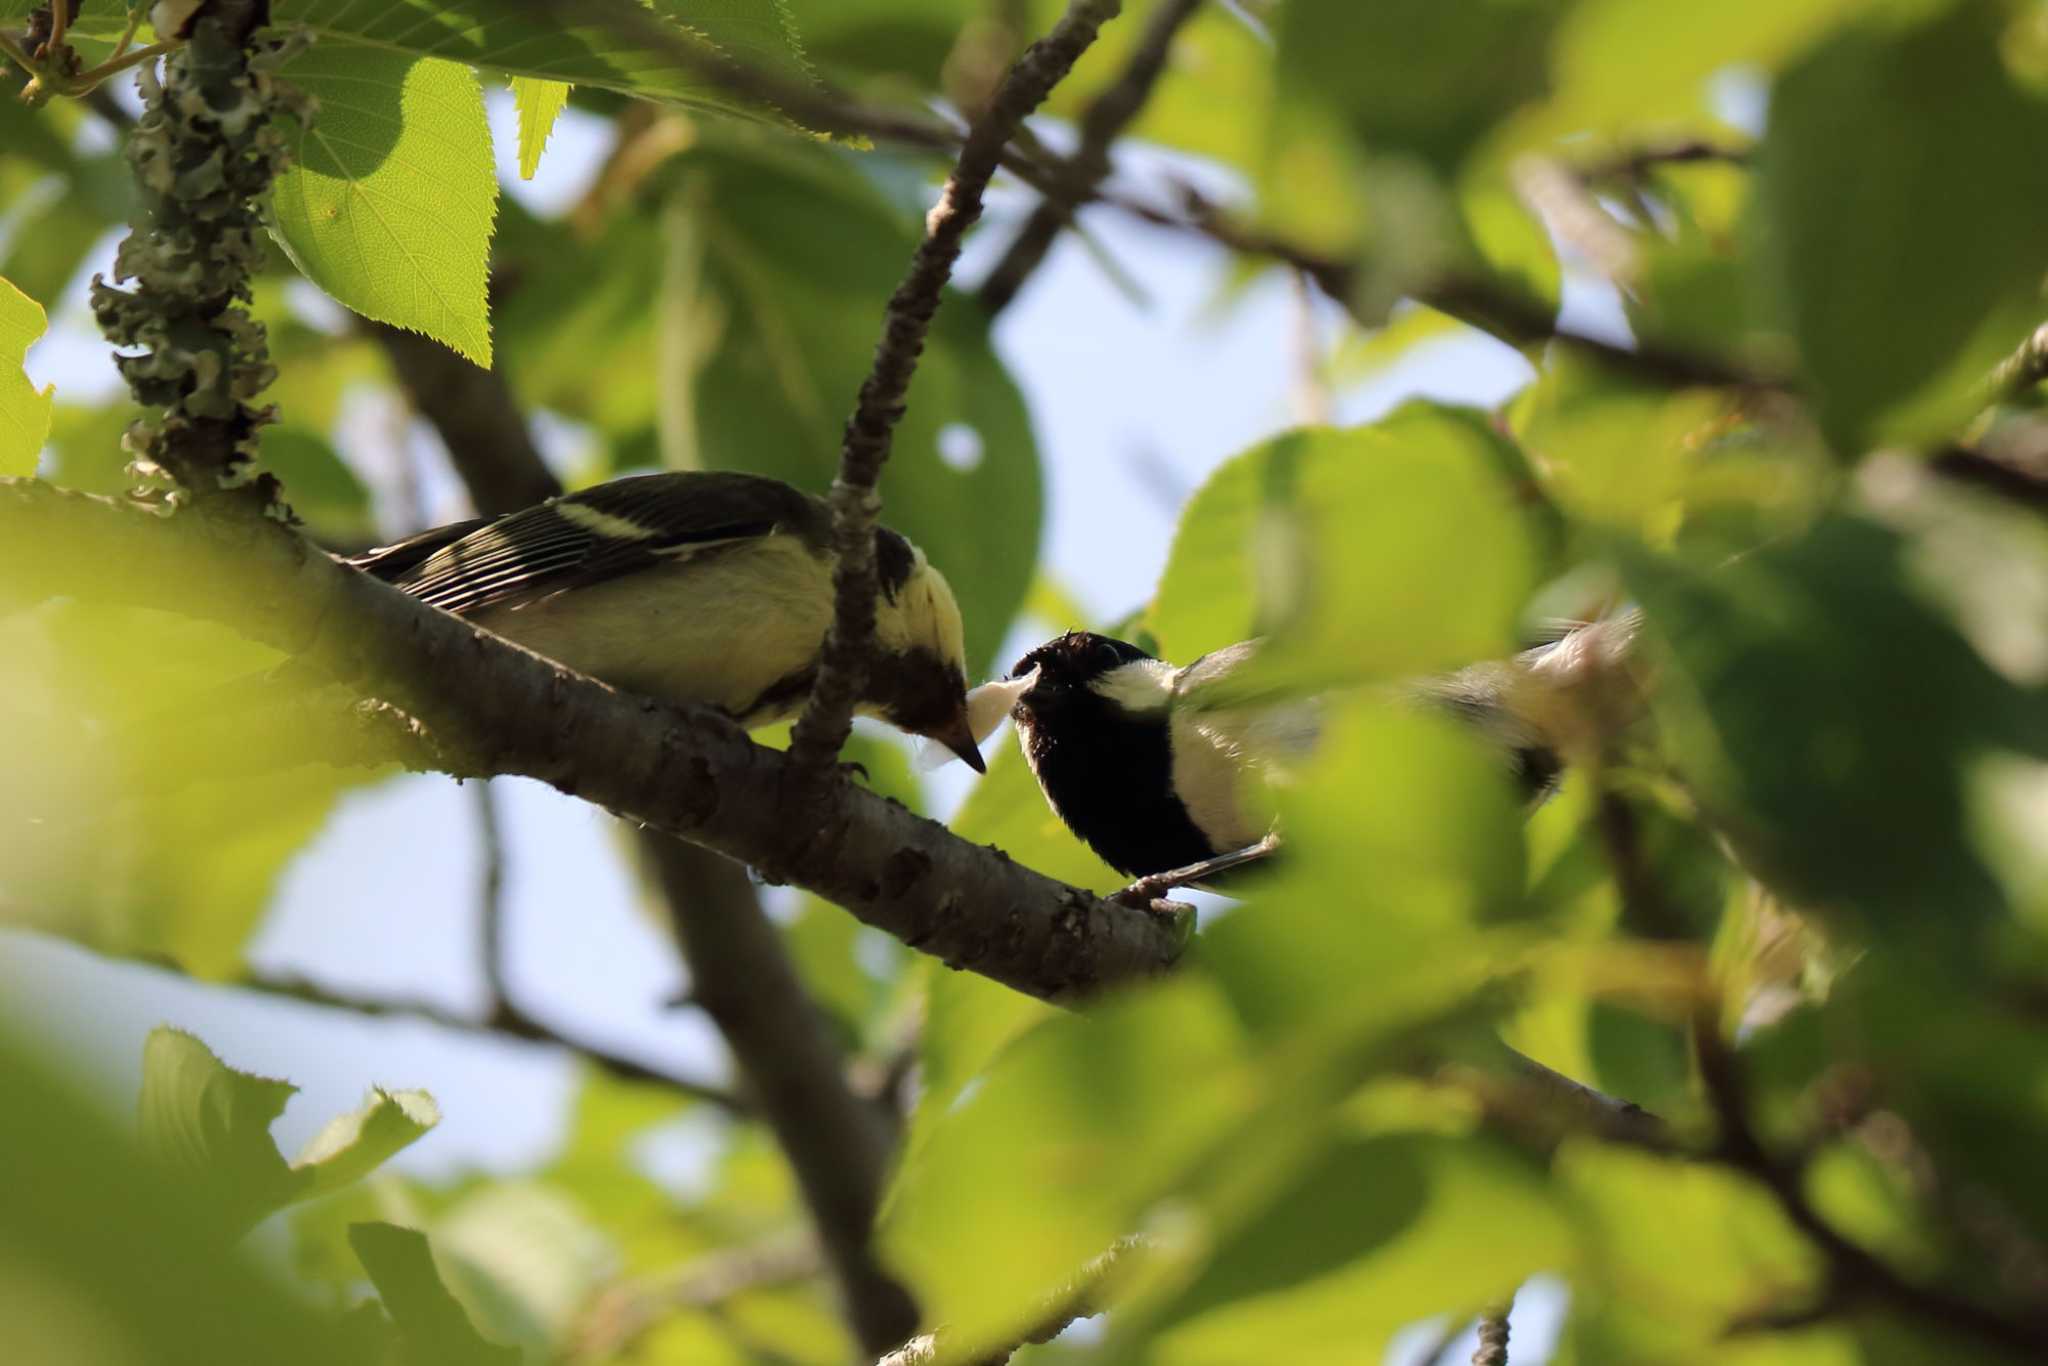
x=1107 y=656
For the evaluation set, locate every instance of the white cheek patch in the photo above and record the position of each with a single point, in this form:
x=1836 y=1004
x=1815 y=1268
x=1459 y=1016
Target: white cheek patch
x=987 y=705
x=1145 y=685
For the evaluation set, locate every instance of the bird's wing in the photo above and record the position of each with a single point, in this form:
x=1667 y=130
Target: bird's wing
x=606 y=531
x=1274 y=735
x=390 y=562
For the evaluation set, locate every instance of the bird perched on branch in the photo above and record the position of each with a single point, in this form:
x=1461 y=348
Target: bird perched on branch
x=713 y=588
x=1154 y=776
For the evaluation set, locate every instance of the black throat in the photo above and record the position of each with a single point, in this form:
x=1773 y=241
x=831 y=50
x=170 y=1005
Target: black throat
x=1109 y=775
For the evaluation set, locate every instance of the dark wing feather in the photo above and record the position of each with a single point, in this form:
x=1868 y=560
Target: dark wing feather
x=603 y=532
x=389 y=562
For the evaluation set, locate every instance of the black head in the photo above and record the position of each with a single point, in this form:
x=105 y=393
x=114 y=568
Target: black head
x=925 y=695
x=1067 y=665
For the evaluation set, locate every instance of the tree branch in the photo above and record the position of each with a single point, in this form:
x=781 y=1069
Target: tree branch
x=828 y=717
x=473 y=411
x=1105 y=120
x=490 y=707
x=1493 y=1336
x=838 y=1144
x=621 y=1315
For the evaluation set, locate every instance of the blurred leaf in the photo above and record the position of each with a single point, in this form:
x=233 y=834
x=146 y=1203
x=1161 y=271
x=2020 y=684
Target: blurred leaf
x=539 y=101
x=1403 y=840
x=523 y=1259
x=104 y=1263
x=1716 y=1248
x=1612 y=451
x=611 y=44
x=825 y=943
x=24 y=409
x=1824 y=715
x=319 y=487
x=1059 y=1150
x=1417 y=76
x=796 y=250
x=1367 y=1239
x=209 y=1125
x=905 y=41
x=434 y=1327
x=1620 y=65
x=1308 y=536
x=1900 y=312
x=389 y=201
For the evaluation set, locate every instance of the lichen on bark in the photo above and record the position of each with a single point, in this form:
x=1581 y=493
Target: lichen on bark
x=205 y=153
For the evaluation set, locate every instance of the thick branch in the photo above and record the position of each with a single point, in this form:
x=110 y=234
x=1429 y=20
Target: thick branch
x=492 y=707
x=1105 y=120
x=828 y=717
x=838 y=1144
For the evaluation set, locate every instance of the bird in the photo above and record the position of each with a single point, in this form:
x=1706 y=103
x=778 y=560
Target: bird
x=706 y=587
x=1155 y=782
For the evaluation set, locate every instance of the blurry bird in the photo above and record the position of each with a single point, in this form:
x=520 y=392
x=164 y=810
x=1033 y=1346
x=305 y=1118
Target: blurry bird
x=1155 y=778
x=713 y=588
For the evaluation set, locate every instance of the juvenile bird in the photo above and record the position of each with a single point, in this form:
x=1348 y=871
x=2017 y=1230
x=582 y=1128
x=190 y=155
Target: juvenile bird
x=1162 y=785
x=714 y=588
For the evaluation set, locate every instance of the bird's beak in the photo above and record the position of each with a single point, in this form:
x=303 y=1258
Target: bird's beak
x=958 y=736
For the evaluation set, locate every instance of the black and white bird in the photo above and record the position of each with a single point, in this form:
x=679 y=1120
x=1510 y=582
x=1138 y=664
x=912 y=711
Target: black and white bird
x=712 y=588
x=1161 y=781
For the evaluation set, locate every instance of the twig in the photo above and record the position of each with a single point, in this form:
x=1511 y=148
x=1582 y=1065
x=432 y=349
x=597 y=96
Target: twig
x=1493 y=1336
x=1081 y=1296
x=490 y=910
x=2023 y=369
x=1637 y=162
x=838 y=1144
x=1104 y=121
x=2008 y=479
x=828 y=716
x=504 y=1022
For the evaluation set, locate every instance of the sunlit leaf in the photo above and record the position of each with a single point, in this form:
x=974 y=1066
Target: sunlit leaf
x=24 y=409
x=612 y=44
x=539 y=101
x=389 y=203
x=1369 y=552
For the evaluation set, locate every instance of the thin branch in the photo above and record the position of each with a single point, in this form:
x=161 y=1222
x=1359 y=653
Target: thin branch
x=1635 y=163
x=1493 y=1336
x=1106 y=118
x=2006 y=478
x=490 y=909
x=838 y=1144
x=1081 y=1297
x=828 y=717
x=504 y=1023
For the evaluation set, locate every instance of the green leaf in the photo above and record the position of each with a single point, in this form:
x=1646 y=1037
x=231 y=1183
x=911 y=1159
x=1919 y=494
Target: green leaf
x=355 y=1144
x=1826 y=717
x=1363 y=1241
x=792 y=249
x=1056 y=1154
x=539 y=101
x=654 y=51
x=1900 y=313
x=389 y=203
x=436 y=1330
x=1417 y=76
x=1620 y=64
x=24 y=409
x=106 y=1263
x=1687 y=1245
x=209 y=1125
x=1370 y=552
